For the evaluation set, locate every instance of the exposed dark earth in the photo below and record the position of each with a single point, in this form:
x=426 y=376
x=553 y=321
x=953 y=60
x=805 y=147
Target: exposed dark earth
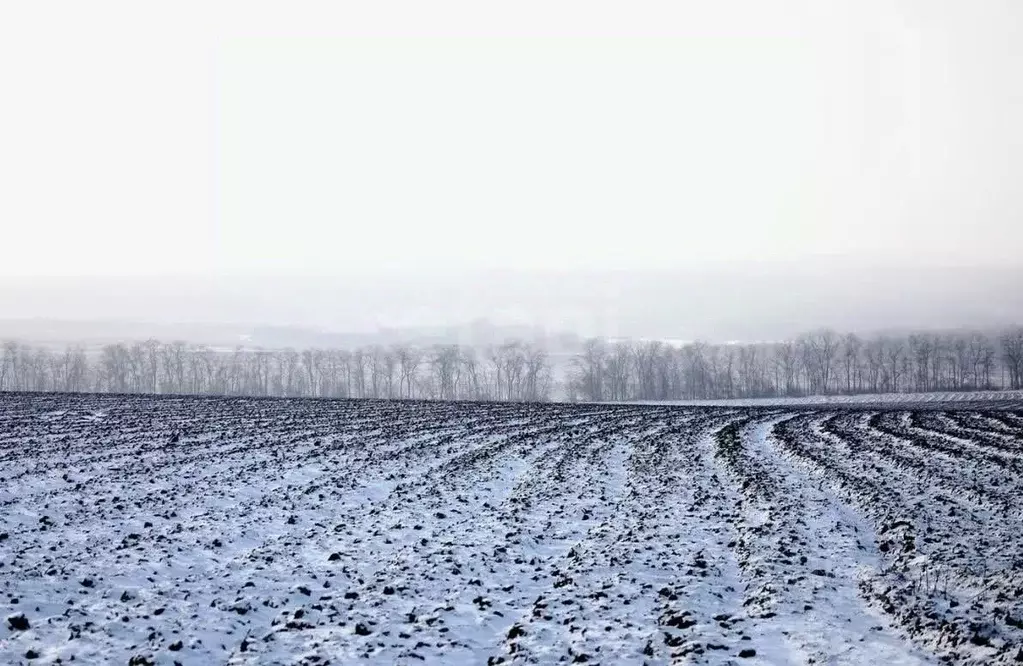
x=162 y=530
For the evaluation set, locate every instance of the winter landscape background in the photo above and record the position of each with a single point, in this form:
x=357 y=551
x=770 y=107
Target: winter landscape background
x=587 y=332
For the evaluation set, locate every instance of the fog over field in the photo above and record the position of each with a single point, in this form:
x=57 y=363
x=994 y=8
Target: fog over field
x=737 y=170
x=334 y=179
x=231 y=177
x=750 y=302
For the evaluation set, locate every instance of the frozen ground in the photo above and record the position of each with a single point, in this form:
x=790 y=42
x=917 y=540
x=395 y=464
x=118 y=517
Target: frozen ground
x=205 y=531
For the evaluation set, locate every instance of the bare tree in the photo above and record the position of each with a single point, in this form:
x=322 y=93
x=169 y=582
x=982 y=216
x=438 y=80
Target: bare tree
x=311 y=359
x=896 y=363
x=8 y=364
x=1012 y=353
x=538 y=375
x=617 y=362
x=444 y=362
x=589 y=370
x=409 y=360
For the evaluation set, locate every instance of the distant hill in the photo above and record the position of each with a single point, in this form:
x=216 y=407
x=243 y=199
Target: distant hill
x=94 y=333
x=742 y=300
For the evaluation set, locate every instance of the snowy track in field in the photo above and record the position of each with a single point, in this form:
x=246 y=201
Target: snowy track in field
x=198 y=531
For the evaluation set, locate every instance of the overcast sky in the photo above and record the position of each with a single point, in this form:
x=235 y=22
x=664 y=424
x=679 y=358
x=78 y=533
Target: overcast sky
x=220 y=138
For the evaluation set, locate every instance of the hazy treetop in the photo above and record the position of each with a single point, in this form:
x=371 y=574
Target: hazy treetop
x=327 y=139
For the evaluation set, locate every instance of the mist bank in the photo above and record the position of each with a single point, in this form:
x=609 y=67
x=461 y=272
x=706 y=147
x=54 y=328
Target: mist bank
x=56 y=334
x=713 y=302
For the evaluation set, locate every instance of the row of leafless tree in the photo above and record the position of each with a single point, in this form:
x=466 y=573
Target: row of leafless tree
x=515 y=370
x=821 y=362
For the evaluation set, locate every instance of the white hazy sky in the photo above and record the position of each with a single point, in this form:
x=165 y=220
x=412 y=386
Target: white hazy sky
x=339 y=138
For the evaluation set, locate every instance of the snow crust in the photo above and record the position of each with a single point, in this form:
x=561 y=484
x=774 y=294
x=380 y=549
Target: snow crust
x=244 y=531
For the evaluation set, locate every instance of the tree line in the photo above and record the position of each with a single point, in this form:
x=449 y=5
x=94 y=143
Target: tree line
x=815 y=363
x=515 y=370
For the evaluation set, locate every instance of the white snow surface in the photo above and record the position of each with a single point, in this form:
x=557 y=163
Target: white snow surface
x=151 y=530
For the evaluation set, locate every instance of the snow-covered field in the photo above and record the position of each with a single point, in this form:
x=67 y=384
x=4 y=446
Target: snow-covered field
x=232 y=531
